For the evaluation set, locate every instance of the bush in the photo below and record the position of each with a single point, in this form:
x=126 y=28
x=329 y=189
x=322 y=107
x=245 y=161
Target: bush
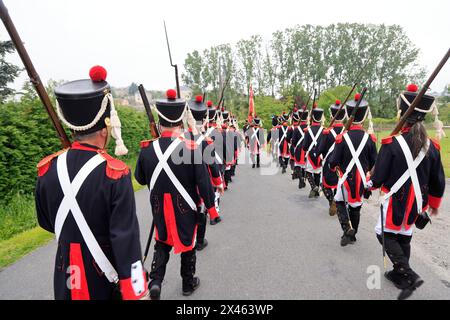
x=27 y=136
x=17 y=215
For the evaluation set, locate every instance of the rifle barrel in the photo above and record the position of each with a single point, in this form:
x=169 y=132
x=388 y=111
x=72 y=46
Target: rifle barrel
x=422 y=92
x=33 y=75
x=177 y=81
x=151 y=119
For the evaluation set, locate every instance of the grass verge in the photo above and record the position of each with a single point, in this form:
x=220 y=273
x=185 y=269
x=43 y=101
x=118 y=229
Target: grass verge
x=21 y=244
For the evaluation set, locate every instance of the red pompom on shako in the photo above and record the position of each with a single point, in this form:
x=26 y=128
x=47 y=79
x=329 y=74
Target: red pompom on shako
x=412 y=87
x=337 y=102
x=357 y=96
x=315 y=105
x=209 y=103
x=171 y=94
x=198 y=99
x=98 y=74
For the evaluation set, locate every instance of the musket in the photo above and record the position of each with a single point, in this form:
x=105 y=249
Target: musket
x=314 y=101
x=33 y=75
x=422 y=92
x=155 y=134
x=347 y=126
x=171 y=63
x=358 y=80
x=153 y=129
x=223 y=91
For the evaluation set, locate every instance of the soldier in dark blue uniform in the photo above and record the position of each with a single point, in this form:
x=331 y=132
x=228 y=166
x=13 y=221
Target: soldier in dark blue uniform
x=325 y=147
x=354 y=156
x=178 y=179
x=283 y=142
x=313 y=161
x=299 y=155
x=410 y=173
x=86 y=198
x=195 y=133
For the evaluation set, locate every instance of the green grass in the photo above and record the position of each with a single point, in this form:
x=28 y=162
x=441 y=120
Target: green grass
x=445 y=147
x=21 y=244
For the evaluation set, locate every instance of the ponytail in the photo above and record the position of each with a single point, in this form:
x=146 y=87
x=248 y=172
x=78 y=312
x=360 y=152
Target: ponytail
x=420 y=138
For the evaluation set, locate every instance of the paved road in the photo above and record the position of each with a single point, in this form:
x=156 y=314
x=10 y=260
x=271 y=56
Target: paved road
x=273 y=243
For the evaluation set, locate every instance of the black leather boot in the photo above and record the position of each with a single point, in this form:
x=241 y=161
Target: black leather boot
x=187 y=271
x=158 y=270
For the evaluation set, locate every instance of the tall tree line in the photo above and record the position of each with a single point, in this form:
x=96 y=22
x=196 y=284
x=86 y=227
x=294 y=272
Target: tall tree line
x=297 y=60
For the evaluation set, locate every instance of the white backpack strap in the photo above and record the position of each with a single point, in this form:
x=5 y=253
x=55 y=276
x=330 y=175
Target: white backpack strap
x=94 y=248
x=302 y=137
x=356 y=154
x=284 y=136
x=355 y=158
x=163 y=165
x=77 y=182
x=332 y=146
x=314 y=138
x=410 y=173
x=200 y=139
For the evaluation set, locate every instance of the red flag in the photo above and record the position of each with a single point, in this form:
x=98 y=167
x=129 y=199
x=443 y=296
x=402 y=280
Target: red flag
x=251 y=106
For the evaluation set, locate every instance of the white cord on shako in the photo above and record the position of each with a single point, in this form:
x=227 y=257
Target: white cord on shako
x=116 y=130
x=368 y=115
x=439 y=126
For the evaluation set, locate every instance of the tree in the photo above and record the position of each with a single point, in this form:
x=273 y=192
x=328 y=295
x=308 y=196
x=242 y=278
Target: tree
x=8 y=71
x=132 y=89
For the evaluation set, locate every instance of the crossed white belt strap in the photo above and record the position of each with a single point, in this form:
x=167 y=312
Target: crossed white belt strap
x=69 y=203
x=163 y=165
x=355 y=160
x=255 y=136
x=410 y=173
x=332 y=146
x=284 y=136
x=203 y=137
x=314 y=139
x=302 y=134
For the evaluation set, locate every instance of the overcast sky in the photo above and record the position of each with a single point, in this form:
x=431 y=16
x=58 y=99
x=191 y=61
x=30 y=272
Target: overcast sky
x=66 y=37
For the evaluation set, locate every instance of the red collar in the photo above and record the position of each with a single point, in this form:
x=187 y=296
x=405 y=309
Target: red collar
x=170 y=134
x=337 y=125
x=84 y=146
x=315 y=124
x=356 y=127
x=303 y=123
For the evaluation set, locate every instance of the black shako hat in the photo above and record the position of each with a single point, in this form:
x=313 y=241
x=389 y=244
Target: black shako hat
x=171 y=110
x=225 y=115
x=316 y=114
x=256 y=121
x=86 y=106
x=198 y=108
x=80 y=102
x=295 y=115
x=361 y=112
x=211 y=112
x=304 y=114
x=424 y=106
x=284 y=117
x=334 y=108
x=274 y=120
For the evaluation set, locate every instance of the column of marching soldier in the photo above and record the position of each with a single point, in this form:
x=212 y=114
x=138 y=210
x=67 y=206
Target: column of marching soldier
x=343 y=163
x=85 y=196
